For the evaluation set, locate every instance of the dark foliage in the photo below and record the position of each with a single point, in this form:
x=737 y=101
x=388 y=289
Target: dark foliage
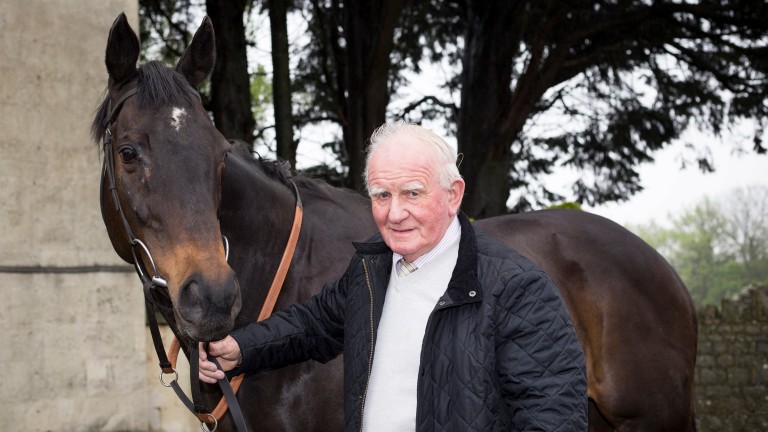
x=597 y=87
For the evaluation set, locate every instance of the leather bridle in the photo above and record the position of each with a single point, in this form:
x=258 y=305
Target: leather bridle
x=152 y=282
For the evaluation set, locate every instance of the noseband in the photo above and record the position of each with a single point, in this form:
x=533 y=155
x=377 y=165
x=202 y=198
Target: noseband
x=153 y=281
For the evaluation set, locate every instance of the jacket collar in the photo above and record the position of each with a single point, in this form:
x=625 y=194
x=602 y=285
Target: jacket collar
x=464 y=285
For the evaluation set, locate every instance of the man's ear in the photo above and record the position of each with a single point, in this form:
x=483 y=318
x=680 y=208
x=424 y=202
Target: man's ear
x=455 y=195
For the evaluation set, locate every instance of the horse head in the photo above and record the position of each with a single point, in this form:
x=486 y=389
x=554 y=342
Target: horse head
x=161 y=183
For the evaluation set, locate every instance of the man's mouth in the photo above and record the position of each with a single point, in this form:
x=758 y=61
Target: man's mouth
x=401 y=230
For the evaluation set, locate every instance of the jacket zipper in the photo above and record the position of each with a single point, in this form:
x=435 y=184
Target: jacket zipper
x=370 y=355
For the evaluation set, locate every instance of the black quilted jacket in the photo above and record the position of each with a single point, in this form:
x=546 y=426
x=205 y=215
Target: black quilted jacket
x=499 y=353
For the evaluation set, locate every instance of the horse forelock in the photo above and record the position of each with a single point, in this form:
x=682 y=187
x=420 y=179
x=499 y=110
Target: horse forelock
x=161 y=86
x=158 y=85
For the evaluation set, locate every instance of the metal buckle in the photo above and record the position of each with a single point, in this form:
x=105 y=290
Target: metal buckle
x=204 y=425
x=176 y=378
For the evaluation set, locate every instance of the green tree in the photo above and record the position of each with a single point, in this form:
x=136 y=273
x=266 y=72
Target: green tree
x=746 y=230
x=716 y=247
x=261 y=95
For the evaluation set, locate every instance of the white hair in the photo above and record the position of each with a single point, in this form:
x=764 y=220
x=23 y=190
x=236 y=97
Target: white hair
x=445 y=155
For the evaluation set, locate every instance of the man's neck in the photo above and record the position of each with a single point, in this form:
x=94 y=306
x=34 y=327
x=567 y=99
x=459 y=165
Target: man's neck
x=452 y=233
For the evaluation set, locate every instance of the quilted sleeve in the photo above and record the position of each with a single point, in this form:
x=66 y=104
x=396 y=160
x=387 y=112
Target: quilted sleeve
x=312 y=330
x=540 y=361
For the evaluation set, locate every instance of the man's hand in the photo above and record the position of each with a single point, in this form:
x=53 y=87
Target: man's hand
x=227 y=353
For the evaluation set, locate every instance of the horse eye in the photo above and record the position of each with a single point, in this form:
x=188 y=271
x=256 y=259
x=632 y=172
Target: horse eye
x=128 y=154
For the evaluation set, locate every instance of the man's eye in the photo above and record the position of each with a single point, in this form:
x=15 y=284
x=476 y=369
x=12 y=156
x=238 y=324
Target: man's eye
x=381 y=196
x=412 y=194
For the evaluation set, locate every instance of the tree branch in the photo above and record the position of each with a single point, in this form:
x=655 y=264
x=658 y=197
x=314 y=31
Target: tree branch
x=432 y=99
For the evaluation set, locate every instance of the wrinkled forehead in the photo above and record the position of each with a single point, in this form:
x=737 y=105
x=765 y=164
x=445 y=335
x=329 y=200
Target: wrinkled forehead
x=401 y=163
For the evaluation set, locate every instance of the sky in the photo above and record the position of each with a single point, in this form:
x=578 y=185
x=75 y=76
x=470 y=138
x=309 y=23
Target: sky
x=669 y=190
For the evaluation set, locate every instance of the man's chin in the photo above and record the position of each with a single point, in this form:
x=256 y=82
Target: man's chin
x=405 y=250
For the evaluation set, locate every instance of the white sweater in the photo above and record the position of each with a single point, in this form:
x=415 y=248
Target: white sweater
x=390 y=402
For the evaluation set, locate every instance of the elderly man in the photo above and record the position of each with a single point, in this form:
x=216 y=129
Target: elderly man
x=442 y=327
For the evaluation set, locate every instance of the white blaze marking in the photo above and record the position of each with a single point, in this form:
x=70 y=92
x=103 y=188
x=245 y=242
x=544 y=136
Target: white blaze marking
x=177 y=117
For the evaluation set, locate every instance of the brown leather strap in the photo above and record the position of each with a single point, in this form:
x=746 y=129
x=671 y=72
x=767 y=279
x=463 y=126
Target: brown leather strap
x=282 y=270
x=266 y=309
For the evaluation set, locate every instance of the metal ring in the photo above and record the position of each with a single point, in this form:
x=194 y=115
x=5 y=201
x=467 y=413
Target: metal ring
x=204 y=425
x=226 y=248
x=176 y=378
x=136 y=264
x=149 y=255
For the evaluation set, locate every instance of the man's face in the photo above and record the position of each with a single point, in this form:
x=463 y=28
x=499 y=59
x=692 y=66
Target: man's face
x=409 y=206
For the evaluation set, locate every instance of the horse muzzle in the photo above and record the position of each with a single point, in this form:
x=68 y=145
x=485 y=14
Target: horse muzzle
x=206 y=310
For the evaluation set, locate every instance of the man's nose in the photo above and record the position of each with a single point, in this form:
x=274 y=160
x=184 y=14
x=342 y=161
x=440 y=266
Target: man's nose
x=397 y=210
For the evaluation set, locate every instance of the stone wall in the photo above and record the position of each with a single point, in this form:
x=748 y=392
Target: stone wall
x=732 y=365
x=73 y=341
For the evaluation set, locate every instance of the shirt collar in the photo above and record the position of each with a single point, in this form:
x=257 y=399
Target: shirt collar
x=452 y=234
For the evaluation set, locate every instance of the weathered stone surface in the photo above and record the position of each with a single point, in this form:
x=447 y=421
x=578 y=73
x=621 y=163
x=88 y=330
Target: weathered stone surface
x=52 y=68
x=75 y=366
x=732 y=367
x=74 y=346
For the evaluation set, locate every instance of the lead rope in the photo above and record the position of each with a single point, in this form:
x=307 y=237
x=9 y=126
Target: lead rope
x=269 y=303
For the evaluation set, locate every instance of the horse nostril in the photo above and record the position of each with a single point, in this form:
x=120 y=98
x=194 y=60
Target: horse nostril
x=191 y=302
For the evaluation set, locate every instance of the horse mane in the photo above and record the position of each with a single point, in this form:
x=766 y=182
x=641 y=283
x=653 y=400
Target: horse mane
x=158 y=85
x=280 y=170
x=276 y=169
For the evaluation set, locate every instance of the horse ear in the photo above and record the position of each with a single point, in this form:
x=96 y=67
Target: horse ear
x=122 y=50
x=198 y=60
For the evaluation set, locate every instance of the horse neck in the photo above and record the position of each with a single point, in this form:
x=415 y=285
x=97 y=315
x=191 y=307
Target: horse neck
x=256 y=215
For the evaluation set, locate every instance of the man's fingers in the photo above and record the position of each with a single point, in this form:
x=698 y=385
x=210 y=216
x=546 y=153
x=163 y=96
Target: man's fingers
x=219 y=348
x=209 y=379
x=224 y=350
x=208 y=367
x=208 y=372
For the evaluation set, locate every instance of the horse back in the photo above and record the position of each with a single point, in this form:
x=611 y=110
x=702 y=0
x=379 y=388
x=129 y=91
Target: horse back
x=593 y=259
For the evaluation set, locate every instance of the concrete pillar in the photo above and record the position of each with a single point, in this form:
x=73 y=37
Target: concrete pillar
x=73 y=340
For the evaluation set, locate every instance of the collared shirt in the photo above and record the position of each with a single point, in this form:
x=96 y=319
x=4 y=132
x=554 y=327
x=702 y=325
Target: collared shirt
x=451 y=234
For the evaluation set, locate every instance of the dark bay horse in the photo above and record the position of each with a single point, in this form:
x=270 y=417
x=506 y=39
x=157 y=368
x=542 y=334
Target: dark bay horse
x=182 y=186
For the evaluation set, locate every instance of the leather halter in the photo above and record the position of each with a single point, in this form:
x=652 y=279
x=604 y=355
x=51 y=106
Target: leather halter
x=151 y=283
